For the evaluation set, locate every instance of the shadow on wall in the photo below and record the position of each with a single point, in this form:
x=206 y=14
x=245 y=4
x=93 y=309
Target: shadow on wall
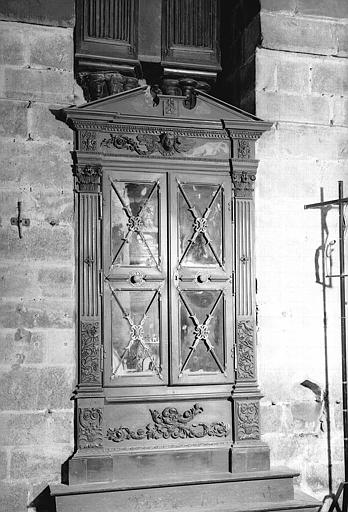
x=240 y=36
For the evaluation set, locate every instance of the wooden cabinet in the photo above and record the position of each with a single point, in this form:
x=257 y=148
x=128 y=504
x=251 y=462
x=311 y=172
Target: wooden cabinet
x=167 y=387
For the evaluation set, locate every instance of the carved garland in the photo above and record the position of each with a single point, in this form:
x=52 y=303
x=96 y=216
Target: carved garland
x=247 y=424
x=90 y=433
x=90 y=352
x=170 y=424
x=166 y=143
x=245 y=350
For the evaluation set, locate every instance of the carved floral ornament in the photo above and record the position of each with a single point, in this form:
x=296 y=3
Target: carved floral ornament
x=90 y=352
x=90 y=433
x=247 y=424
x=245 y=350
x=171 y=424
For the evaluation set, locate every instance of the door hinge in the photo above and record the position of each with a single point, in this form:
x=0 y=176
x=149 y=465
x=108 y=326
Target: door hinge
x=100 y=206
x=233 y=282
x=101 y=283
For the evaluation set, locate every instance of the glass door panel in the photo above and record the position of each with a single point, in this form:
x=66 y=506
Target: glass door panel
x=135 y=288
x=202 y=334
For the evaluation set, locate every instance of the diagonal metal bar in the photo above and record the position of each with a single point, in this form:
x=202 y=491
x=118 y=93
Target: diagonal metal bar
x=148 y=248
x=211 y=349
x=139 y=338
x=124 y=242
x=196 y=216
x=206 y=322
x=124 y=206
x=211 y=314
x=129 y=215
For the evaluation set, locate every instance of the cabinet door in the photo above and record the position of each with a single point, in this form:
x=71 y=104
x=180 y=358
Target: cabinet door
x=201 y=267
x=135 y=270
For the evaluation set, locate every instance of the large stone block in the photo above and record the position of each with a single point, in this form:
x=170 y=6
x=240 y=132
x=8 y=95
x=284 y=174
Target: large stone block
x=266 y=70
x=42 y=123
x=12 y=44
x=331 y=9
x=38 y=243
x=60 y=346
x=293 y=108
x=19 y=389
x=56 y=282
x=20 y=346
x=283 y=32
x=35 y=428
x=13 y=118
x=37 y=313
x=42 y=12
x=56 y=387
x=36 y=165
x=46 y=86
x=43 y=464
x=13 y=496
x=18 y=282
x=330 y=76
x=51 y=47
x=340 y=111
x=278 y=5
x=342 y=38
x=293 y=74
x=3 y=465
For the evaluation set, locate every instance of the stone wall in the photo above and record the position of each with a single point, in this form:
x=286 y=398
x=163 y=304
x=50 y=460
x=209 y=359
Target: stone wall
x=302 y=85
x=37 y=271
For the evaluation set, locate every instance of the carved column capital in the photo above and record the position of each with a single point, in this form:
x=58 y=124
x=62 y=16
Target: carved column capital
x=88 y=177
x=243 y=181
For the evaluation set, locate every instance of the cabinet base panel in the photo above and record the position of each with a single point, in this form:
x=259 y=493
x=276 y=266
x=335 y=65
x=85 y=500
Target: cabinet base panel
x=259 y=491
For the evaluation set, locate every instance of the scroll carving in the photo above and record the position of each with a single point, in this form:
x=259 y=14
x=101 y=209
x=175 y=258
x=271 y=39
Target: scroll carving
x=90 y=352
x=245 y=350
x=243 y=148
x=166 y=143
x=171 y=424
x=247 y=424
x=88 y=177
x=243 y=183
x=90 y=433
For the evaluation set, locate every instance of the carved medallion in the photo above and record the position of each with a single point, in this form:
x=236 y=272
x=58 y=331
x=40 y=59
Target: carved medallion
x=247 y=425
x=170 y=424
x=166 y=143
x=243 y=148
x=245 y=349
x=88 y=177
x=90 y=352
x=90 y=433
x=243 y=183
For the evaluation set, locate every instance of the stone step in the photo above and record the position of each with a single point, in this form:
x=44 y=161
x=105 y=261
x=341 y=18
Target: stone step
x=256 y=492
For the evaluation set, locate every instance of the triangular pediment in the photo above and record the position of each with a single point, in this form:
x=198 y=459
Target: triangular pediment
x=139 y=103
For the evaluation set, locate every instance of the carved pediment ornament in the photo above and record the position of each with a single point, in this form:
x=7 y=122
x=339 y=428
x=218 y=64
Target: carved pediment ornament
x=170 y=424
x=166 y=143
x=245 y=350
x=88 y=177
x=243 y=182
x=248 y=417
x=90 y=427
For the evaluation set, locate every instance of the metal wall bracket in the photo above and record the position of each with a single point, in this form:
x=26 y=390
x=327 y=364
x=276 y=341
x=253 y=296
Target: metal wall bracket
x=19 y=221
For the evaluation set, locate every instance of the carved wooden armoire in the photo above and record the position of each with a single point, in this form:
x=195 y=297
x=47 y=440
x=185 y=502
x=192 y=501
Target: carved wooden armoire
x=167 y=402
